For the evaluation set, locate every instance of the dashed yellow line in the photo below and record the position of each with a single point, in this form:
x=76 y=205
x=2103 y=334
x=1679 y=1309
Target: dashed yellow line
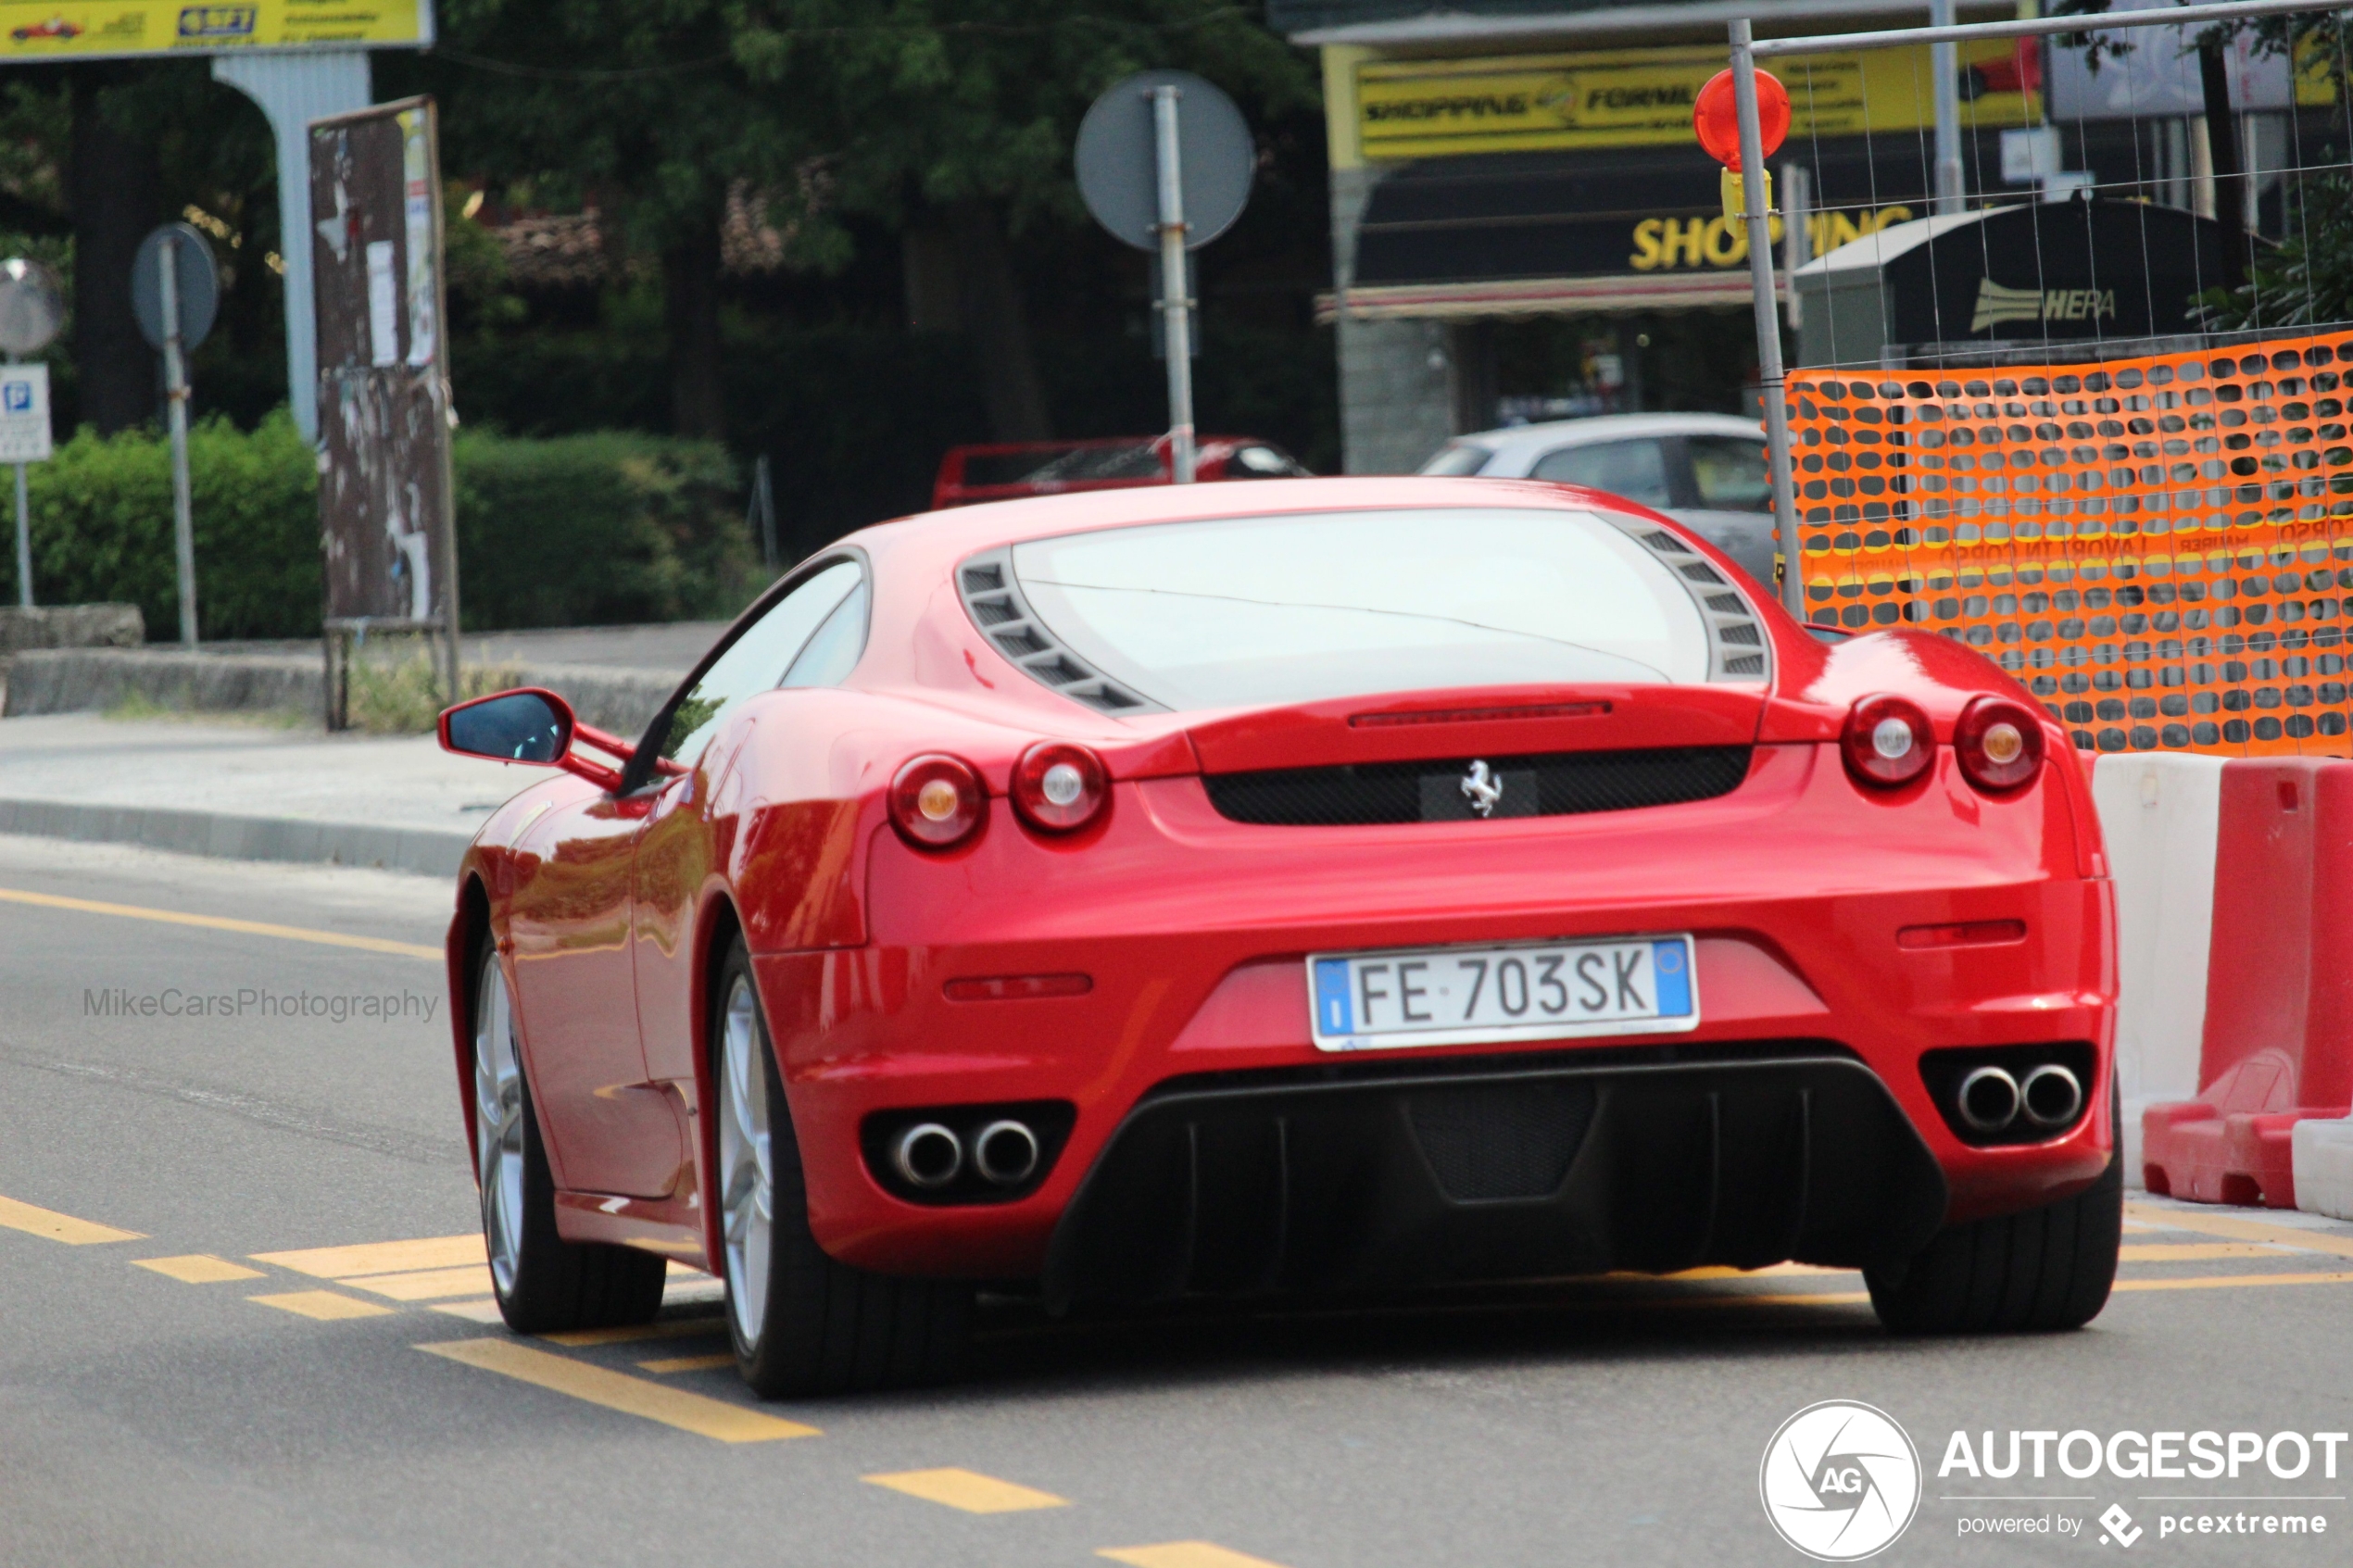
x=425 y=1284
x=2193 y=1252
x=669 y=1328
x=2212 y=1281
x=381 y=1257
x=327 y=1306
x=223 y=923
x=670 y=1364
x=59 y=1228
x=198 y=1268
x=2242 y=1230
x=619 y=1391
x=968 y=1491
x=1183 y=1554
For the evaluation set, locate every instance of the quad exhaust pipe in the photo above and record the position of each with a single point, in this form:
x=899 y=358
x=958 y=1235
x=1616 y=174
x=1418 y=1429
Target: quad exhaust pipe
x=930 y=1155
x=927 y=1155
x=1990 y=1099
x=1005 y=1153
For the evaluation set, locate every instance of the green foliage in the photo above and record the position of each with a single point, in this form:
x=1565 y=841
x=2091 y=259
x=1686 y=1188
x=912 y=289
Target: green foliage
x=402 y=695
x=593 y=529
x=101 y=528
x=599 y=529
x=2306 y=280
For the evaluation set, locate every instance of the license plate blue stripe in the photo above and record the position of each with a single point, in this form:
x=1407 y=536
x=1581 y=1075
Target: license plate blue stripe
x=1335 y=1011
x=1670 y=972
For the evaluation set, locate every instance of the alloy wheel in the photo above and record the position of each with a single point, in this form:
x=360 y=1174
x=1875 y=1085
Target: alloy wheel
x=499 y=1153
x=746 y=1185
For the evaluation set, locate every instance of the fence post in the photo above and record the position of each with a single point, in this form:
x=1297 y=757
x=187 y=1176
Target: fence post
x=1769 y=325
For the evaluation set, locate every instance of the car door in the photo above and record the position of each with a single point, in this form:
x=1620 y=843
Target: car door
x=609 y=1130
x=802 y=639
x=1636 y=468
x=1730 y=499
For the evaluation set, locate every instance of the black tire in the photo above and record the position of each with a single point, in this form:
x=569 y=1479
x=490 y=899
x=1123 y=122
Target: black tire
x=2045 y=1269
x=557 y=1285
x=824 y=1326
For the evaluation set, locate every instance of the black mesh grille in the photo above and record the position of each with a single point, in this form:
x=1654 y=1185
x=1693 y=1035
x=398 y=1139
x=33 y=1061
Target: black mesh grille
x=1562 y=784
x=1504 y=1142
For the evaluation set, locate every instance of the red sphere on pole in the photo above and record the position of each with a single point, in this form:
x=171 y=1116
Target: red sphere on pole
x=1716 y=116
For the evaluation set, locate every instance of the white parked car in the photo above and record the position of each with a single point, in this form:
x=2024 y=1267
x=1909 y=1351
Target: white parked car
x=1704 y=470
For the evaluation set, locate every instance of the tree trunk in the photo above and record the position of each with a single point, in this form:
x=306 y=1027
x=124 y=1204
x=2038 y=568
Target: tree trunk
x=113 y=192
x=998 y=324
x=2222 y=138
x=690 y=297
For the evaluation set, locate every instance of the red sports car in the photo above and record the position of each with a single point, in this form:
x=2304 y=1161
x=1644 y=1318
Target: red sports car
x=1278 y=887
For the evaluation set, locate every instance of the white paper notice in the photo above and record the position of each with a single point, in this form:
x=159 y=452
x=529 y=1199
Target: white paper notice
x=384 y=304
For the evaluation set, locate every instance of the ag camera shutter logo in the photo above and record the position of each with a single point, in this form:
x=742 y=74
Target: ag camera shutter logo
x=1841 y=1481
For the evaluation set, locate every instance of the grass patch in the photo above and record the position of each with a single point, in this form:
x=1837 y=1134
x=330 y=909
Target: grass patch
x=403 y=696
x=138 y=707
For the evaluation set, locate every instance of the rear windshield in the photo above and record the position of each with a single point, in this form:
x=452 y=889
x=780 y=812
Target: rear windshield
x=1280 y=609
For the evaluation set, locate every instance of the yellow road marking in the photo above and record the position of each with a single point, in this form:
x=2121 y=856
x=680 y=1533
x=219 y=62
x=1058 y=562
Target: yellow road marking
x=1768 y=1272
x=325 y=1305
x=382 y=1256
x=59 y=1228
x=2243 y=1230
x=2190 y=1253
x=221 y=922
x=968 y=1490
x=2212 y=1281
x=428 y=1285
x=671 y=1328
x=619 y=1391
x=669 y=1364
x=1756 y=1298
x=1183 y=1554
x=473 y=1311
x=198 y=1268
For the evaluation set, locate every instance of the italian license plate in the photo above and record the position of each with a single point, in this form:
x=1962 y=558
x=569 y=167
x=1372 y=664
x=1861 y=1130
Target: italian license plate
x=1526 y=991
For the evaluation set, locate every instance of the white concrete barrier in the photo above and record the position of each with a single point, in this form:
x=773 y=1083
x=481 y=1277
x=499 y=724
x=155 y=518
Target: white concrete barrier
x=2322 y=1160
x=2159 y=813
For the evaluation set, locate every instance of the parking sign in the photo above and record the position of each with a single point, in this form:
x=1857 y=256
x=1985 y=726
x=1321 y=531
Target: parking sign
x=24 y=413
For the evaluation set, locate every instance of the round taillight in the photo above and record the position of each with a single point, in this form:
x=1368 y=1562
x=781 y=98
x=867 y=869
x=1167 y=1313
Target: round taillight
x=1887 y=741
x=1060 y=788
x=1999 y=743
x=938 y=801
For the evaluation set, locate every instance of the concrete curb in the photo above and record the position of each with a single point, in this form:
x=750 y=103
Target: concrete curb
x=92 y=680
x=224 y=836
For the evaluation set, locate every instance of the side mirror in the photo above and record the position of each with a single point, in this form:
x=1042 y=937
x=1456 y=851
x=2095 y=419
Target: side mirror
x=529 y=724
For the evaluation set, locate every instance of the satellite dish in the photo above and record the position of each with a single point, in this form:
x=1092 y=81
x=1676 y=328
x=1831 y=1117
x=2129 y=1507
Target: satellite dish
x=1119 y=176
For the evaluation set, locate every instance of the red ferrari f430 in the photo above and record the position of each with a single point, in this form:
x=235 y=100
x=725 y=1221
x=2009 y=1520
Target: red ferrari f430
x=1283 y=886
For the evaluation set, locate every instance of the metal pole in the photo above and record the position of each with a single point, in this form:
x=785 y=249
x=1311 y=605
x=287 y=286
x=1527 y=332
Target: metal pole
x=24 y=539
x=1175 y=311
x=175 y=388
x=1944 y=64
x=24 y=543
x=1769 y=326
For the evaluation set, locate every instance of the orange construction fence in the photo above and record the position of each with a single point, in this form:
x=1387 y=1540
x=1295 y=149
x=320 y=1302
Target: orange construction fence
x=2160 y=548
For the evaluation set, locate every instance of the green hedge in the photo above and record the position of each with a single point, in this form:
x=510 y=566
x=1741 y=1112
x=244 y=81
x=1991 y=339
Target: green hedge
x=598 y=529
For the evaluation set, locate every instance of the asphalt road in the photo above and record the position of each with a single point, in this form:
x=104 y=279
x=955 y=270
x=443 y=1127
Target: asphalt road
x=214 y=1389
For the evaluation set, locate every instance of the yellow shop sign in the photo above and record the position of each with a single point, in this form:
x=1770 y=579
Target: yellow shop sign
x=1643 y=97
x=1666 y=243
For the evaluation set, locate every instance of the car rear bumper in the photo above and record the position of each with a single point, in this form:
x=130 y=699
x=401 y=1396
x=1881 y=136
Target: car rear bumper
x=1497 y=1170
x=1181 y=938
